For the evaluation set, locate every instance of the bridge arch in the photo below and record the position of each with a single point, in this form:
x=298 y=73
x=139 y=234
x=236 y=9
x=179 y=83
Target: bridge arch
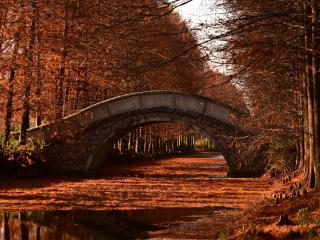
x=85 y=137
x=110 y=131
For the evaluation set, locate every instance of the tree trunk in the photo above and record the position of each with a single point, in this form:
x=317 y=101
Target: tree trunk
x=316 y=88
x=25 y=121
x=9 y=103
x=310 y=151
x=38 y=84
x=62 y=70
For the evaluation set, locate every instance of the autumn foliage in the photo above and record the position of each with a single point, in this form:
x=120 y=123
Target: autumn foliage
x=273 y=48
x=58 y=57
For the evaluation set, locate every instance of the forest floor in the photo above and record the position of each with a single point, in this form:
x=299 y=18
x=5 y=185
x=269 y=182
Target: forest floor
x=288 y=217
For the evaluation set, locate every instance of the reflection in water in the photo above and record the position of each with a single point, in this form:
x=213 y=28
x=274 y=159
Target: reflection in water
x=183 y=183
x=70 y=225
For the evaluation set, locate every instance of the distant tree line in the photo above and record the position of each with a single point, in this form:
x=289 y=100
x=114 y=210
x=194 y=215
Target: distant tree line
x=160 y=140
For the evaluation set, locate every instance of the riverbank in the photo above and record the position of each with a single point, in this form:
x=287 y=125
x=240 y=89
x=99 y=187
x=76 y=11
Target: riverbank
x=289 y=213
x=21 y=165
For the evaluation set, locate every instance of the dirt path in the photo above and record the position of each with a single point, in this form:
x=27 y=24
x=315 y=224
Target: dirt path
x=184 y=183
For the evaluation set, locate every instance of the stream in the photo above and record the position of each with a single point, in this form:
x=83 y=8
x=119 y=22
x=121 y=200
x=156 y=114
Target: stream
x=178 y=198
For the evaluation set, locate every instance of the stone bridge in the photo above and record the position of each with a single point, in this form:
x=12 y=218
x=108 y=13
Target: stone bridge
x=81 y=142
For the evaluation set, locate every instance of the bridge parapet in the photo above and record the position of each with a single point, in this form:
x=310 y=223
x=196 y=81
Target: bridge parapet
x=134 y=102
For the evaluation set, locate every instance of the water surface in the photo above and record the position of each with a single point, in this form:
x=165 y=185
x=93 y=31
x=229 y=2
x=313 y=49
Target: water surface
x=180 y=198
x=131 y=224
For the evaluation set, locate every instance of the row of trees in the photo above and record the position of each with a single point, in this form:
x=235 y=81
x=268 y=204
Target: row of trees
x=162 y=139
x=58 y=57
x=273 y=48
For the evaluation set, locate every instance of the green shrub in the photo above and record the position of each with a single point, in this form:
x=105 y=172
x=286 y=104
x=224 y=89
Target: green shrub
x=13 y=145
x=304 y=216
x=223 y=235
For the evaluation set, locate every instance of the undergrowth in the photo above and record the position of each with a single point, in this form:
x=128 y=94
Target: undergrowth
x=18 y=160
x=281 y=155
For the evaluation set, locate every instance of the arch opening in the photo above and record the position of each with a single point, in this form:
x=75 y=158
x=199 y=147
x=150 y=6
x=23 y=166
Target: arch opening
x=162 y=139
x=155 y=148
x=212 y=130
